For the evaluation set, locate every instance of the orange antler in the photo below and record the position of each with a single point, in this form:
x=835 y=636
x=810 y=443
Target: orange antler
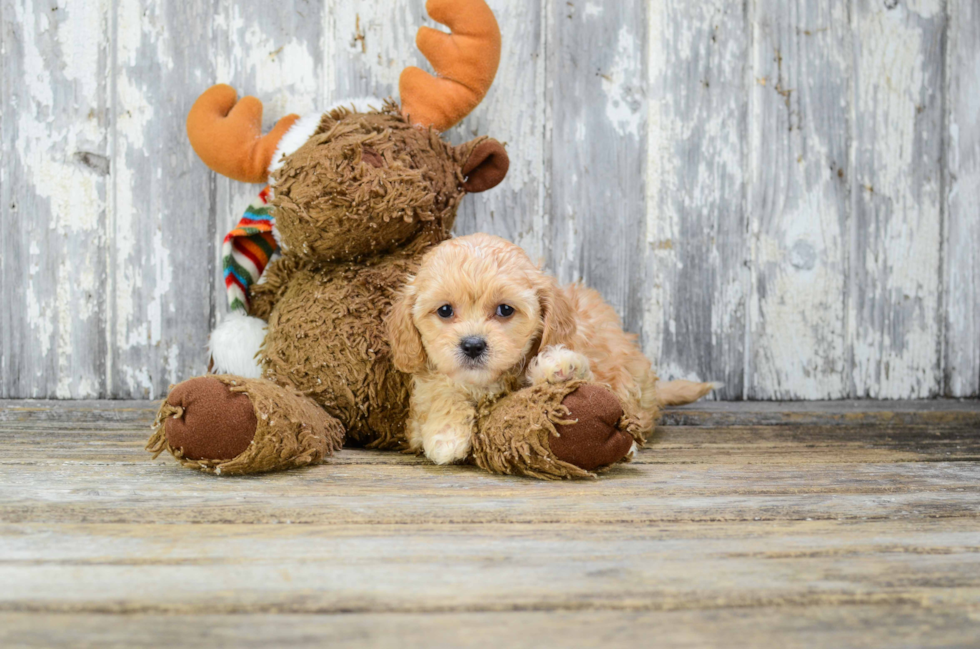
x=227 y=134
x=465 y=60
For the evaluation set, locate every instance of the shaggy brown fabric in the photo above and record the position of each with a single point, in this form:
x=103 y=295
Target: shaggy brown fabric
x=327 y=338
x=515 y=433
x=275 y=281
x=332 y=204
x=594 y=440
x=215 y=424
x=291 y=430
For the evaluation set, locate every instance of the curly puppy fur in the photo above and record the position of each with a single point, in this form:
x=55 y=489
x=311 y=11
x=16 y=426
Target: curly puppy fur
x=479 y=318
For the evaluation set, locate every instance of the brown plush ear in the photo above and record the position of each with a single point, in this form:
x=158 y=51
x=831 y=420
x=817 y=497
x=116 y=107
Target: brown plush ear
x=407 y=351
x=486 y=166
x=557 y=313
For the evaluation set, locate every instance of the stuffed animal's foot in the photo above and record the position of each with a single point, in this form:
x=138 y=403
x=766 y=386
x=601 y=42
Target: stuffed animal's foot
x=558 y=364
x=595 y=438
x=208 y=421
x=549 y=431
x=232 y=425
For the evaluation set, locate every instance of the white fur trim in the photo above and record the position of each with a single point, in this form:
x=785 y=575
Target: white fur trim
x=295 y=137
x=234 y=344
x=360 y=104
x=278 y=238
x=306 y=126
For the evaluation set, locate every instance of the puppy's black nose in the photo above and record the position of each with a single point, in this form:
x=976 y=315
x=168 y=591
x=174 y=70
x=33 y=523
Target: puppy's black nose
x=473 y=346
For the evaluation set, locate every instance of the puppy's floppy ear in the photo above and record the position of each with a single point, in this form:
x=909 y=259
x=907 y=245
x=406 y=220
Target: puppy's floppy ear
x=557 y=313
x=407 y=351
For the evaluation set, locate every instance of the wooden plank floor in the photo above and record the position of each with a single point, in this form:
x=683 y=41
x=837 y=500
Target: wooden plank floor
x=816 y=525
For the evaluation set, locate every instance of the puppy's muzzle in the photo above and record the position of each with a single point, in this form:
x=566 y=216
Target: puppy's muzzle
x=473 y=347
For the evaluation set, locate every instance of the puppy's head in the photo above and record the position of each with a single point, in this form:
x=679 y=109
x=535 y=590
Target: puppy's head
x=477 y=309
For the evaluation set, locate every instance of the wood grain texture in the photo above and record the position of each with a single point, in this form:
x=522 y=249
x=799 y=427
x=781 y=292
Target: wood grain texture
x=962 y=158
x=54 y=134
x=777 y=195
x=714 y=433
x=696 y=244
x=597 y=83
x=404 y=495
x=809 y=627
x=798 y=200
x=818 y=525
x=247 y=569
x=895 y=282
x=708 y=445
x=160 y=217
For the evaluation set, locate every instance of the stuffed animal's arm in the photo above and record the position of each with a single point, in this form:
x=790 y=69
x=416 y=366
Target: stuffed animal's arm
x=265 y=294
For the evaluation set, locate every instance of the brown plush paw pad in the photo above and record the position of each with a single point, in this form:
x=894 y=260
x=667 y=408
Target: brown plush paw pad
x=593 y=441
x=217 y=424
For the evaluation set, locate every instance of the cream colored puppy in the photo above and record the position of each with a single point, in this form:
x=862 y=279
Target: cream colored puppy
x=480 y=319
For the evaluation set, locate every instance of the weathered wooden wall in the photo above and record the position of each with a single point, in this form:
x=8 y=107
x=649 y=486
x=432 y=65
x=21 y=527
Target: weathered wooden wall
x=779 y=194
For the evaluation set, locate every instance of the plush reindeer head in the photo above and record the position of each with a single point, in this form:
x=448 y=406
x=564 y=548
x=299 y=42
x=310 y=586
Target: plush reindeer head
x=365 y=176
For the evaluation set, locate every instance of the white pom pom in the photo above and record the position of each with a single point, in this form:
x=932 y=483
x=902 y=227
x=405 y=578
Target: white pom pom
x=234 y=344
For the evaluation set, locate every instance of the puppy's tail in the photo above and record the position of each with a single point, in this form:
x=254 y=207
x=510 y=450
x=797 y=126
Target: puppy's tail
x=677 y=393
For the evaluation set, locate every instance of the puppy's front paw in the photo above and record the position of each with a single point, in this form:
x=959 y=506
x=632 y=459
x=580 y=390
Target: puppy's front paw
x=448 y=445
x=557 y=365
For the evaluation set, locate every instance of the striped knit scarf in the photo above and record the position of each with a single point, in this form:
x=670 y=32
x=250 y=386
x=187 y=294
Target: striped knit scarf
x=247 y=249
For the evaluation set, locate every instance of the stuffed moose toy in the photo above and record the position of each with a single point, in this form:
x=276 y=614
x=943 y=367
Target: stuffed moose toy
x=356 y=196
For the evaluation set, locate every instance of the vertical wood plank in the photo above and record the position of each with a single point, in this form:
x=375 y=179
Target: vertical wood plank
x=161 y=231
x=275 y=52
x=4 y=217
x=597 y=76
x=369 y=43
x=798 y=200
x=53 y=198
x=696 y=243
x=6 y=245
x=962 y=197
x=895 y=268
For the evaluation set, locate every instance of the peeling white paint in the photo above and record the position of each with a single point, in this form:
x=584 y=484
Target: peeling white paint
x=962 y=261
x=624 y=87
x=894 y=337
x=796 y=344
x=55 y=123
x=660 y=222
x=694 y=162
x=162 y=286
x=172 y=364
x=75 y=37
x=800 y=332
x=154 y=218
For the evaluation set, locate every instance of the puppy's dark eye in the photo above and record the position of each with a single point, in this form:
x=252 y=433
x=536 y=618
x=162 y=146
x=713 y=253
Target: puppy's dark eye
x=505 y=310
x=445 y=311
